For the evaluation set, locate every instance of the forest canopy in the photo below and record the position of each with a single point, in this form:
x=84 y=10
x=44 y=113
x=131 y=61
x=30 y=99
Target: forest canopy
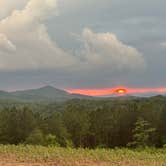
x=107 y=123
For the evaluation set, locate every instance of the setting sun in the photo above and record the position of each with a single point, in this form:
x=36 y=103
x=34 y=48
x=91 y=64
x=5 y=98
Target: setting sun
x=121 y=91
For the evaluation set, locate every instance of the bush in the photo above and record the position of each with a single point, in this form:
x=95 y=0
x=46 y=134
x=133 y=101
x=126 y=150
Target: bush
x=35 y=138
x=51 y=140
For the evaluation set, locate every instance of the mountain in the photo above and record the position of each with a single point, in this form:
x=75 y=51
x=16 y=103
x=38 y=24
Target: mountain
x=4 y=94
x=47 y=93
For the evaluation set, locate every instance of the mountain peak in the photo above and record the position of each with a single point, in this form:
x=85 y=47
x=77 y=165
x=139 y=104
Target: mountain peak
x=46 y=93
x=47 y=87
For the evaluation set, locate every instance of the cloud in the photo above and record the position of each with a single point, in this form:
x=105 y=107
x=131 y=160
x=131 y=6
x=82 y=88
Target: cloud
x=163 y=44
x=79 y=5
x=5 y=44
x=7 y=6
x=26 y=45
x=25 y=30
x=104 y=50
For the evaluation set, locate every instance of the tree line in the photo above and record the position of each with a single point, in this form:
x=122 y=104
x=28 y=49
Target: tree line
x=86 y=123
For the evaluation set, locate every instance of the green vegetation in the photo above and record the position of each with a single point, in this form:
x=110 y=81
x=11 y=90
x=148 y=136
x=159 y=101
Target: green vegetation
x=142 y=134
x=116 y=122
x=47 y=93
x=87 y=132
x=86 y=157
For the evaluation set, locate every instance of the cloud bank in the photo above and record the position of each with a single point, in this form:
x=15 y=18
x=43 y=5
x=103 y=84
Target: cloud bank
x=25 y=33
x=26 y=45
x=104 y=50
x=8 y=6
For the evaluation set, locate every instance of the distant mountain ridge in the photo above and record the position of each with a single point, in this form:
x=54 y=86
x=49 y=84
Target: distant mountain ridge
x=49 y=93
x=46 y=93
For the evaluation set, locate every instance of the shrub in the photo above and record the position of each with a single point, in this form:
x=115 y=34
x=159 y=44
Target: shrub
x=35 y=138
x=51 y=140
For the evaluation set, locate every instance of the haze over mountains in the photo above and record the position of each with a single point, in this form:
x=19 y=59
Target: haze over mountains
x=50 y=93
x=47 y=93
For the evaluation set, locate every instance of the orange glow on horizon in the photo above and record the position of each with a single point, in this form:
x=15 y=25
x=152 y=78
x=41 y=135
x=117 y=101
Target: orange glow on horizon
x=111 y=91
x=121 y=91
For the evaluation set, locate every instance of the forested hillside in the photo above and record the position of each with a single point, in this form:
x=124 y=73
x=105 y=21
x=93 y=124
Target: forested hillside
x=46 y=93
x=109 y=123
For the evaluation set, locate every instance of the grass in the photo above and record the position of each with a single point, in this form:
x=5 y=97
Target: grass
x=83 y=157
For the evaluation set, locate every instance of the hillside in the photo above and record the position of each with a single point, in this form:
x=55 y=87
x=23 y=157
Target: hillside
x=47 y=93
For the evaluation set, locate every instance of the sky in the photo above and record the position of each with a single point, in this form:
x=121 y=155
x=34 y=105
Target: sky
x=82 y=44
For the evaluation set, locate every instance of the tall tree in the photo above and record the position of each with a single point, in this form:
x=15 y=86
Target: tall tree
x=142 y=133
x=16 y=124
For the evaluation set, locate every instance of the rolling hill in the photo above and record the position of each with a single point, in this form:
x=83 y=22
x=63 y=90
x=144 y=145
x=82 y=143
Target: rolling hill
x=47 y=93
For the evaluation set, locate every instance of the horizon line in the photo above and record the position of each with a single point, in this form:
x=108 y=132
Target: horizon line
x=113 y=91
x=101 y=91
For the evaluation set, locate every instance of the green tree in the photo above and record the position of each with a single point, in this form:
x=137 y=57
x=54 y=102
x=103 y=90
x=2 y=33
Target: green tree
x=77 y=124
x=54 y=125
x=142 y=133
x=35 y=138
x=16 y=124
x=105 y=127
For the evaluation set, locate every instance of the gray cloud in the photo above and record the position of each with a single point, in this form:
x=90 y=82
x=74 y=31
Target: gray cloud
x=137 y=24
x=25 y=30
x=105 y=51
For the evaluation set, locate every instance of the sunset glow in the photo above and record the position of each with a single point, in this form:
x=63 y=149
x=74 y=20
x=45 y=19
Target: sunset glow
x=121 y=91
x=117 y=90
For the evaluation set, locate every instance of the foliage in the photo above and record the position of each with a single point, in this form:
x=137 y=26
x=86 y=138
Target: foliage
x=29 y=154
x=142 y=133
x=35 y=138
x=51 y=140
x=76 y=123
x=16 y=124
